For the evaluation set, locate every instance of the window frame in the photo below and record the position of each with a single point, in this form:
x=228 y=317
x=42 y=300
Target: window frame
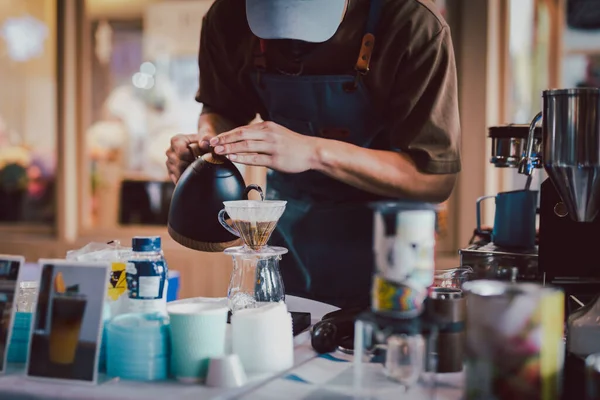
x=41 y=229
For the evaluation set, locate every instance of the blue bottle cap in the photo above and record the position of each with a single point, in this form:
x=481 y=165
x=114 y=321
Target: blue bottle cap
x=146 y=243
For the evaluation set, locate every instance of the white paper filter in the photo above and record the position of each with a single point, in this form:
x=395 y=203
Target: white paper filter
x=254 y=210
x=262 y=338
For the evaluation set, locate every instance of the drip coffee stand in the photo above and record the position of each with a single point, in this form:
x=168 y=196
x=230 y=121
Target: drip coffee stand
x=256 y=277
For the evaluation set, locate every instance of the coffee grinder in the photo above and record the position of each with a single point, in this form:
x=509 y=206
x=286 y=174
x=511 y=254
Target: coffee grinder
x=569 y=221
x=570 y=196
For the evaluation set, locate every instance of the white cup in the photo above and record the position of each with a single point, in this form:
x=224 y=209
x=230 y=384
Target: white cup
x=197 y=334
x=262 y=338
x=226 y=372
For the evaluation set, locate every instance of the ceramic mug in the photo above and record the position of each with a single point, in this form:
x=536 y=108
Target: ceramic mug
x=514 y=219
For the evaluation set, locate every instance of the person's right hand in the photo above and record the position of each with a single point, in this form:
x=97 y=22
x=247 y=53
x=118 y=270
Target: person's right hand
x=183 y=151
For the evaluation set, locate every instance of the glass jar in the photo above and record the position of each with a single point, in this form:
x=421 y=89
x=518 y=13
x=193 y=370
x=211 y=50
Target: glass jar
x=452 y=278
x=255 y=278
x=26 y=296
x=584 y=329
x=403 y=351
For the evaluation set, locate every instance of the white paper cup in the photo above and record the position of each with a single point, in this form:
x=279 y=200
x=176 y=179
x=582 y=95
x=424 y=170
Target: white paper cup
x=197 y=334
x=262 y=338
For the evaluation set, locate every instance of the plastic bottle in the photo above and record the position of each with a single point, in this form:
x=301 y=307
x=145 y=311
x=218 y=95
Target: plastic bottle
x=147 y=272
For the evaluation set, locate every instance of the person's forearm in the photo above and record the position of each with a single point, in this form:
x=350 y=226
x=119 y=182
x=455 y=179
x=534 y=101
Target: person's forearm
x=386 y=173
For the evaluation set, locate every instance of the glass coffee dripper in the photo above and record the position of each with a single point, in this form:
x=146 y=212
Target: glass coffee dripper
x=255 y=278
x=253 y=220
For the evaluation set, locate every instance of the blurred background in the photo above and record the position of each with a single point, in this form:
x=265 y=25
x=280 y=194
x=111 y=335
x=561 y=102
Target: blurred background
x=93 y=90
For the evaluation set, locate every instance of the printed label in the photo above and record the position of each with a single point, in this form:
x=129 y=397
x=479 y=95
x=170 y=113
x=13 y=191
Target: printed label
x=398 y=298
x=146 y=280
x=412 y=262
x=400 y=260
x=407 y=259
x=118 y=281
x=149 y=287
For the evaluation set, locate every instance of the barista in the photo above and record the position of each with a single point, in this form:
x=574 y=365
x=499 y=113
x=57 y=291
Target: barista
x=359 y=99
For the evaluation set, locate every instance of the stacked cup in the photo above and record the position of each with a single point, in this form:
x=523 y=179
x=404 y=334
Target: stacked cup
x=137 y=347
x=19 y=341
x=263 y=339
x=105 y=321
x=21 y=331
x=197 y=335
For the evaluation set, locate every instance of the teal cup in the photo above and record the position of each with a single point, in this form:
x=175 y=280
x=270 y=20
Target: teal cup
x=197 y=335
x=514 y=220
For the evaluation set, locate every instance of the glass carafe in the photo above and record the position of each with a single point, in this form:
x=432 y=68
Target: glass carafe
x=255 y=278
x=584 y=329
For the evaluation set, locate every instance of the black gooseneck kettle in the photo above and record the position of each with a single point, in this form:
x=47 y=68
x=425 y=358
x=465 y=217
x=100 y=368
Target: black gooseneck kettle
x=197 y=199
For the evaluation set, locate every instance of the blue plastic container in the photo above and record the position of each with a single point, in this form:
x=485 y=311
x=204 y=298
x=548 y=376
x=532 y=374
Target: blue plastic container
x=19 y=341
x=138 y=347
x=173 y=290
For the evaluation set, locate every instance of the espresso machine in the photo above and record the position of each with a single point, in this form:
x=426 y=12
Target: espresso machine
x=487 y=259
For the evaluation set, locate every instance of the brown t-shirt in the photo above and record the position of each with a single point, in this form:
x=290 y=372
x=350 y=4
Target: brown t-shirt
x=412 y=77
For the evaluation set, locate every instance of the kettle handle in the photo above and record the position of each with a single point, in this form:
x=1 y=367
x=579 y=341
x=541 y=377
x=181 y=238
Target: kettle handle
x=195 y=149
x=252 y=187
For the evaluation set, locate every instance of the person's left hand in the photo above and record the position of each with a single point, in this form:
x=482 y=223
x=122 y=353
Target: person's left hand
x=267 y=144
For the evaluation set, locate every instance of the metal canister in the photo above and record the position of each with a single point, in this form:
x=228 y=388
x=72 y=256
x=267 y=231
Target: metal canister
x=514 y=343
x=447 y=306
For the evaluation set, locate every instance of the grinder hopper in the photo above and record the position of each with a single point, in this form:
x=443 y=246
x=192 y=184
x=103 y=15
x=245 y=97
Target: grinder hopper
x=570 y=148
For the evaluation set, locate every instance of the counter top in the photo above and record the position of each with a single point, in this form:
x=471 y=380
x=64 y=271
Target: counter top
x=312 y=377
x=15 y=385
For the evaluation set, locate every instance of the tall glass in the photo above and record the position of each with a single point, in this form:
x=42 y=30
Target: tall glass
x=592 y=377
x=453 y=278
x=26 y=296
x=67 y=316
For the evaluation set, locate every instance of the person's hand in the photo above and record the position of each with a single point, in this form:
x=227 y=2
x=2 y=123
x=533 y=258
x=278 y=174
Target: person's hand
x=183 y=151
x=267 y=144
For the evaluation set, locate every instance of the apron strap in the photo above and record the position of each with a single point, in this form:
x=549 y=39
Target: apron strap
x=368 y=41
x=260 y=59
x=364 y=56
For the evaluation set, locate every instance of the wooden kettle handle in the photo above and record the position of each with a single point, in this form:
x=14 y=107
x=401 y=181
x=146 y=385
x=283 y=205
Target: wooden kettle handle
x=195 y=149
